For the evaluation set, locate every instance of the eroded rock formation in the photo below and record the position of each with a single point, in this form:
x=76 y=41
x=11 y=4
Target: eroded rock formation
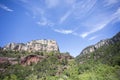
x=33 y=46
x=28 y=60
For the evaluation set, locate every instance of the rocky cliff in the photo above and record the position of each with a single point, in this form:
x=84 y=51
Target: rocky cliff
x=33 y=46
x=106 y=42
x=31 y=59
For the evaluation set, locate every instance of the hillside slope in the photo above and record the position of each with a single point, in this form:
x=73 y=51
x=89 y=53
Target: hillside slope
x=101 y=64
x=100 y=44
x=105 y=51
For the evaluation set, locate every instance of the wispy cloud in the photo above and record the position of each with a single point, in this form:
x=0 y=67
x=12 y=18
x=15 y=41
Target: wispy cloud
x=117 y=13
x=103 y=24
x=83 y=8
x=37 y=12
x=110 y=2
x=63 y=31
x=45 y=22
x=77 y=12
x=79 y=9
x=65 y=16
x=52 y=3
x=5 y=8
x=83 y=35
x=92 y=38
x=97 y=28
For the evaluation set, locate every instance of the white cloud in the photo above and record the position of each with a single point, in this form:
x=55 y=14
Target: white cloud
x=45 y=22
x=83 y=8
x=94 y=37
x=78 y=9
x=64 y=17
x=37 y=12
x=102 y=24
x=117 y=13
x=5 y=8
x=95 y=29
x=110 y=2
x=84 y=34
x=52 y=3
x=32 y=7
x=63 y=31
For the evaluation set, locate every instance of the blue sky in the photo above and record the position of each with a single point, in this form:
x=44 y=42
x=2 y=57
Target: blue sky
x=74 y=24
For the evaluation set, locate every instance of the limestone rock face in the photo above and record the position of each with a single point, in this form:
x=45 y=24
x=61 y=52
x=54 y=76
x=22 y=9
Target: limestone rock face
x=33 y=46
x=106 y=42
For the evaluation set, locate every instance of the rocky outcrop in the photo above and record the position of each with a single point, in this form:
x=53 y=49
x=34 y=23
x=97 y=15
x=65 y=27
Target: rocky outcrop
x=106 y=42
x=28 y=60
x=33 y=46
x=7 y=60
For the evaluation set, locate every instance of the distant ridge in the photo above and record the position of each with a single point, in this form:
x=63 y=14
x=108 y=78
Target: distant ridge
x=33 y=46
x=105 y=42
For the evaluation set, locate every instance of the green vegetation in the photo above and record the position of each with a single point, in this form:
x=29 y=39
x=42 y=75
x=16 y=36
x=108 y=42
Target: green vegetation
x=18 y=54
x=107 y=55
x=103 y=64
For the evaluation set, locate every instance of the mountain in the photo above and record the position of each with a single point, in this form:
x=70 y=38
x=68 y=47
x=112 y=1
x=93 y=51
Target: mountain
x=102 y=43
x=38 y=60
x=100 y=61
x=33 y=46
x=106 y=51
